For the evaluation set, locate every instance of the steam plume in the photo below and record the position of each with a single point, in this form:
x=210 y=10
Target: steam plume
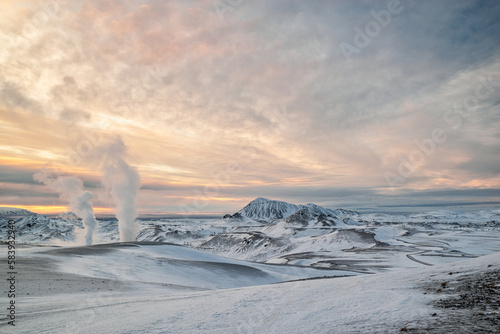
x=123 y=182
x=71 y=190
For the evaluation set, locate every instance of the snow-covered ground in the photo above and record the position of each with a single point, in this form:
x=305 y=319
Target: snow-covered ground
x=272 y=267
x=276 y=232
x=176 y=265
x=379 y=303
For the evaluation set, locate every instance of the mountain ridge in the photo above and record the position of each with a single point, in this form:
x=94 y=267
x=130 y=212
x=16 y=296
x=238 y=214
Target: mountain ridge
x=263 y=209
x=11 y=211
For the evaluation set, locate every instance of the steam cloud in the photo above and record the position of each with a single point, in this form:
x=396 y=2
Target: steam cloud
x=123 y=182
x=71 y=190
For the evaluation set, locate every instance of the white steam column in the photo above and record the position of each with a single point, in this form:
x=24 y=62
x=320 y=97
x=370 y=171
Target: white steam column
x=71 y=190
x=123 y=183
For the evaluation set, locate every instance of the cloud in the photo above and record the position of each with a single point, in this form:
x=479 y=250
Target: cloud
x=10 y=174
x=74 y=115
x=15 y=192
x=265 y=87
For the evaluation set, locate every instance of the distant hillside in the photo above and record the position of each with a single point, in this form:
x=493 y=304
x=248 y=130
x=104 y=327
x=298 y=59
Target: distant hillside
x=263 y=209
x=8 y=211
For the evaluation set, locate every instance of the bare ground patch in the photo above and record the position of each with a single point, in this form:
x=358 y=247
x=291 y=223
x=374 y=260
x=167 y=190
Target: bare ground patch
x=469 y=304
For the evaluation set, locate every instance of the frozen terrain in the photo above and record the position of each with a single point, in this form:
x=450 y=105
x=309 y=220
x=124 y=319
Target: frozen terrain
x=52 y=299
x=272 y=267
x=276 y=232
x=178 y=266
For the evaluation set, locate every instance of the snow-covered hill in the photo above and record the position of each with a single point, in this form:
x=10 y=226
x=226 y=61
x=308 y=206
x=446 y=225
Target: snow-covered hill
x=404 y=301
x=450 y=217
x=8 y=212
x=311 y=219
x=266 y=210
x=310 y=236
x=39 y=229
x=316 y=236
x=159 y=263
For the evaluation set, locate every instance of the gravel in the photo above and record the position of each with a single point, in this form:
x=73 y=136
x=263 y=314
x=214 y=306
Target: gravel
x=463 y=304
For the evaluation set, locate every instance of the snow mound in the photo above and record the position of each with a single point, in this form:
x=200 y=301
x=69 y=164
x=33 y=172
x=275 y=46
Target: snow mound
x=176 y=265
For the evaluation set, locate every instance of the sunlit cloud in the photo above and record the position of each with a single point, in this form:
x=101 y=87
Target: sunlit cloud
x=260 y=101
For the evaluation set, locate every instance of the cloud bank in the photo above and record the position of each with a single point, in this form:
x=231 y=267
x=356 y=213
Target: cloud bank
x=219 y=106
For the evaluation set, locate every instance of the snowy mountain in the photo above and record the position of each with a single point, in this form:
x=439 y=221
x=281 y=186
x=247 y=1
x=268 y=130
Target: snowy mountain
x=248 y=246
x=307 y=244
x=310 y=220
x=345 y=213
x=264 y=209
x=312 y=212
x=8 y=212
x=307 y=235
x=35 y=228
x=297 y=228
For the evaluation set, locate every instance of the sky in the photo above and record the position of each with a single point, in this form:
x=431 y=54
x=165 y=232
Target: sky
x=352 y=104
